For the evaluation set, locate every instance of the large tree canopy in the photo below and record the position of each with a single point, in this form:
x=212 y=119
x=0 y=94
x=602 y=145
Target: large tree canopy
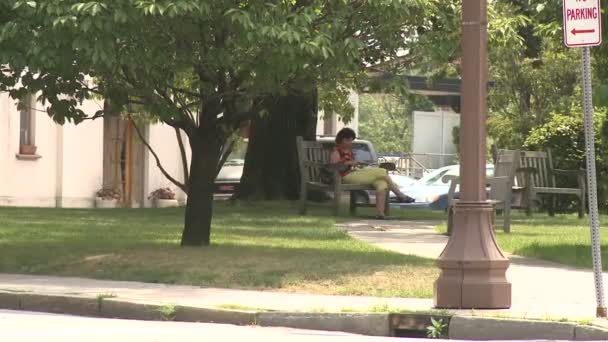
x=532 y=72
x=203 y=66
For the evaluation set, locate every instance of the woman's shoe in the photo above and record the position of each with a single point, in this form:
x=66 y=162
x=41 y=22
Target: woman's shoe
x=406 y=199
x=380 y=217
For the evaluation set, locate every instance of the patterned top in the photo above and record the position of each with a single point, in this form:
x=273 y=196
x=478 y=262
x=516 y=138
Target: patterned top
x=346 y=155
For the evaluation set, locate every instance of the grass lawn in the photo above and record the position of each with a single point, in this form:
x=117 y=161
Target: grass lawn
x=254 y=246
x=564 y=238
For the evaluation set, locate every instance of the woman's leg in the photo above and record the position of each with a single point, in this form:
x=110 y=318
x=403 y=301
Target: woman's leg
x=394 y=188
x=375 y=176
x=380 y=203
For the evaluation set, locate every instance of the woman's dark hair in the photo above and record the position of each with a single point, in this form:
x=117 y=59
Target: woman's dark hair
x=345 y=133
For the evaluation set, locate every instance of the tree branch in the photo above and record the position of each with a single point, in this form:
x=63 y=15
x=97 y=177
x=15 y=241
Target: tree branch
x=158 y=163
x=182 y=151
x=184 y=91
x=184 y=106
x=225 y=154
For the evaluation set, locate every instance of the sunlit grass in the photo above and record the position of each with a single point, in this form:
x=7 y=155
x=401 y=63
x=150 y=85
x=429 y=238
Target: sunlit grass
x=564 y=239
x=254 y=246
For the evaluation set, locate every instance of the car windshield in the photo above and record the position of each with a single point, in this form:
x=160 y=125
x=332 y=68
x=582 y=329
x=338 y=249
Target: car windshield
x=436 y=175
x=362 y=153
x=237 y=157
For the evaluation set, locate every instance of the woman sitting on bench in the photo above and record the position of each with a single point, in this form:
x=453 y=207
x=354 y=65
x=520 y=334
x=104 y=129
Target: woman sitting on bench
x=378 y=177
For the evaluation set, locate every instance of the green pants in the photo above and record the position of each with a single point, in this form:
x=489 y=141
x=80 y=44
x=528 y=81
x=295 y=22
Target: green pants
x=371 y=175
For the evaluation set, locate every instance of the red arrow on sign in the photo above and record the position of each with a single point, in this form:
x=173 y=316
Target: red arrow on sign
x=575 y=31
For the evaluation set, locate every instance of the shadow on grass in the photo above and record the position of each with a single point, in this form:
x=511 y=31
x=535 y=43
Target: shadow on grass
x=230 y=265
x=262 y=246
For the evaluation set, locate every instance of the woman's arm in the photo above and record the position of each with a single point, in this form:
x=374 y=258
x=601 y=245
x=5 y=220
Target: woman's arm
x=334 y=158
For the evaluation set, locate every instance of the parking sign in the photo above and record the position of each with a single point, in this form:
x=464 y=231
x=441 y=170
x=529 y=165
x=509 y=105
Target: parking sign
x=582 y=23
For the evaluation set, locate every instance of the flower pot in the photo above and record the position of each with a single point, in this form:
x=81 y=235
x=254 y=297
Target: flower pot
x=27 y=149
x=165 y=203
x=105 y=203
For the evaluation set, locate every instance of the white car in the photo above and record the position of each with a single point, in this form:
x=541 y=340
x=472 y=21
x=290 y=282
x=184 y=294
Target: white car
x=229 y=177
x=432 y=189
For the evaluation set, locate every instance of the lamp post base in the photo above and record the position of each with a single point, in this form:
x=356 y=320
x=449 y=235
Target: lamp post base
x=473 y=268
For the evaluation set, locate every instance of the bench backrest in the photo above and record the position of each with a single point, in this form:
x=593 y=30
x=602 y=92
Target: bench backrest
x=312 y=157
x=506 y=163
x=542 y=164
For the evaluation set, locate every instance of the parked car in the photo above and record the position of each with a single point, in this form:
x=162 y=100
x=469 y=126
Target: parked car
x=229 y=177
x=432 y=189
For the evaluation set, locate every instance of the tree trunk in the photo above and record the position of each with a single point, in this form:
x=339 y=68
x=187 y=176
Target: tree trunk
x=199 y=207
x=271 y=166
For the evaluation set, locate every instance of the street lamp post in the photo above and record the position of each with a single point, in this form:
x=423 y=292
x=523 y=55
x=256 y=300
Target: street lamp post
x=473 y=268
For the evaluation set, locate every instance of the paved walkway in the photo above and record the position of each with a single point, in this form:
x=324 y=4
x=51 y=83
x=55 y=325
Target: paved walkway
x=540 y=289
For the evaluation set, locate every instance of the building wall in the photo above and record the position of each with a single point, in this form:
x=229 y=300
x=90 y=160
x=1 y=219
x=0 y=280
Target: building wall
x=70 y=168
x=432 y=141
x=163 y=140
x=26 y=182
x=81 y=164
x=67 y=167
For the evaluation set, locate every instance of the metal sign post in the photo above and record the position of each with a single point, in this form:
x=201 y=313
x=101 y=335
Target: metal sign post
x=583 y=28
x=592 y=184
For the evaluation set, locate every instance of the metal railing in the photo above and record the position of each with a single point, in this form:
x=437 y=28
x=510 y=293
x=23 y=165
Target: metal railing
x=417 y=164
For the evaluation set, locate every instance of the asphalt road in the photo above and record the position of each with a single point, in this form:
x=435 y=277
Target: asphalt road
x=30 y=326
x=26 y=326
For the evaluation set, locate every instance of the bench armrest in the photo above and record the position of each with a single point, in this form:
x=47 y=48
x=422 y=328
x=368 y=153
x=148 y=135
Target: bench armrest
x=579 y=174
x=568 y=172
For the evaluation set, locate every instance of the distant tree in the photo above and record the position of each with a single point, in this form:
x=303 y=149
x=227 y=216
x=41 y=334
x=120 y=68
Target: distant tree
x=532 y=73
x=386 y=120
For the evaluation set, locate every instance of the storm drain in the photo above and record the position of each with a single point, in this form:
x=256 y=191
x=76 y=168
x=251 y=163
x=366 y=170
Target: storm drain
x=415 y=325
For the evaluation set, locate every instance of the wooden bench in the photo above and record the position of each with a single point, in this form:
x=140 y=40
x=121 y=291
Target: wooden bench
x=539 y=178
x=502 y=185
x=312 y=159
x=499 y=196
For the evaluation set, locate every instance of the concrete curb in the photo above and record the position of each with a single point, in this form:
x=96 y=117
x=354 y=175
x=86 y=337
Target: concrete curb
x=374 y=324
x=479 y=328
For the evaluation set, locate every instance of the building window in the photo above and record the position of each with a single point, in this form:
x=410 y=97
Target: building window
x=27 y=123
x=26 y=127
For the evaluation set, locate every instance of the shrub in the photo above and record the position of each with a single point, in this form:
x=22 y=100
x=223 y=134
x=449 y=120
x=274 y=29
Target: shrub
x=565 y=136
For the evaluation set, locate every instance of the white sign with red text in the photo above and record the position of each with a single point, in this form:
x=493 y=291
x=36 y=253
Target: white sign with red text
x=582 y=23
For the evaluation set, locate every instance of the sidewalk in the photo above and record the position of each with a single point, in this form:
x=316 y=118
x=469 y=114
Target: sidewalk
x=147 y=293
x=540 y=289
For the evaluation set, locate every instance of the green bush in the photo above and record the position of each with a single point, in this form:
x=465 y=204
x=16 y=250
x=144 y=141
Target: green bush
x=564 y=135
